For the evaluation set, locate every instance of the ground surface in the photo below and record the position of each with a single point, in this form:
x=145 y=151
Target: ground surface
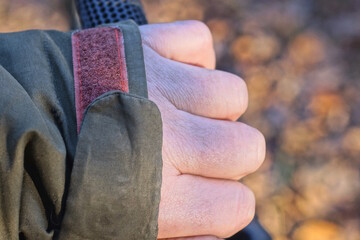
x=301 y=61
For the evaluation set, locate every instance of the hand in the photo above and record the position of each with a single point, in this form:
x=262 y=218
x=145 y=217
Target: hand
x=204 y=150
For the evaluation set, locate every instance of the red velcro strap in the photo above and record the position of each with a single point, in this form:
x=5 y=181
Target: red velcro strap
x=99 y=65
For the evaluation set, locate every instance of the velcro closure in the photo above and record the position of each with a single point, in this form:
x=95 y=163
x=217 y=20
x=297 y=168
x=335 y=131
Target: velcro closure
x=99 y=65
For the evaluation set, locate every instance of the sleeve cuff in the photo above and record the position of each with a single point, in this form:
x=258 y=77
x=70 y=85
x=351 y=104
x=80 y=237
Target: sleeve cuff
x=116 y=177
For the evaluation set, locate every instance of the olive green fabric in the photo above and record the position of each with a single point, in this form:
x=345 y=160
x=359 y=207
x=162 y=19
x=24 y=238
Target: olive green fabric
x=102 y=184
x=108 y=198
x=134 y=58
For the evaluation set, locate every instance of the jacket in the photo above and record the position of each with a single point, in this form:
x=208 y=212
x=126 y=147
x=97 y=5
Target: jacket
x=70 y=172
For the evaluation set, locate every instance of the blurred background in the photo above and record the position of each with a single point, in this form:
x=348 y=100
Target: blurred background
x=301 y=61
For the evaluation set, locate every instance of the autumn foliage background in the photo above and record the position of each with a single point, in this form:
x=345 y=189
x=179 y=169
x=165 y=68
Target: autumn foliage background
x=301 y=61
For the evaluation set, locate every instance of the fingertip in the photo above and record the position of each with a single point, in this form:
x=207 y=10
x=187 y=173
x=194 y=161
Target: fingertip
x=244 y=211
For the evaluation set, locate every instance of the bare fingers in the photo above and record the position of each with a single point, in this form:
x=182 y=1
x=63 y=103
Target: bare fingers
x=184 y=41
x=202 y=206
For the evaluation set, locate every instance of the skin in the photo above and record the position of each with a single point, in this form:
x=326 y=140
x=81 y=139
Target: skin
x=205 y=151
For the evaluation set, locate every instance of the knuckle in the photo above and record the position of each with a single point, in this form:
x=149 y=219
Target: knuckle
x=252 y=151
x=244 y=211
x=235 y=95
x=202 y=31
x=241 y=95
x=254 y=154
x=247 y=207
x=260 y=149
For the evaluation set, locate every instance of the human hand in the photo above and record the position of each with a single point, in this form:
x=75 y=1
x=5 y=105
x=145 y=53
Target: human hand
x=204 y=150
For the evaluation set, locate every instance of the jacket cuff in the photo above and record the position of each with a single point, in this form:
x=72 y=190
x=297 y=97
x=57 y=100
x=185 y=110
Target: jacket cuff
x=107 y=58
x=116 y=177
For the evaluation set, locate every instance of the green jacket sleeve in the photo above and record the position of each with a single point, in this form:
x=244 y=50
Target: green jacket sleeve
x=103 y=183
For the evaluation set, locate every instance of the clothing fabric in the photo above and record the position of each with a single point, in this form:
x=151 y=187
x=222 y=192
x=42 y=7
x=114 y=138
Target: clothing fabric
x=55 y=183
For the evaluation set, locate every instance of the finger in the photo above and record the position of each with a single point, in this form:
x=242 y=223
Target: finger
x=201 y=206
x=213 y=148
x=195 y=238
x=203 y=92
x=184 y=41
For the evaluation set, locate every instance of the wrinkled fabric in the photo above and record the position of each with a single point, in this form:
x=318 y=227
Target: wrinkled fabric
x=101 y=184
x=108 y=198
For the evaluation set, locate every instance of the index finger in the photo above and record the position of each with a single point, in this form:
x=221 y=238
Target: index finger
x=184 y=41
x=194 y=238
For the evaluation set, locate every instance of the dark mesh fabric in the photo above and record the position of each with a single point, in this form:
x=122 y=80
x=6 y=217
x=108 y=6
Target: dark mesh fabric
x=96 y=12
